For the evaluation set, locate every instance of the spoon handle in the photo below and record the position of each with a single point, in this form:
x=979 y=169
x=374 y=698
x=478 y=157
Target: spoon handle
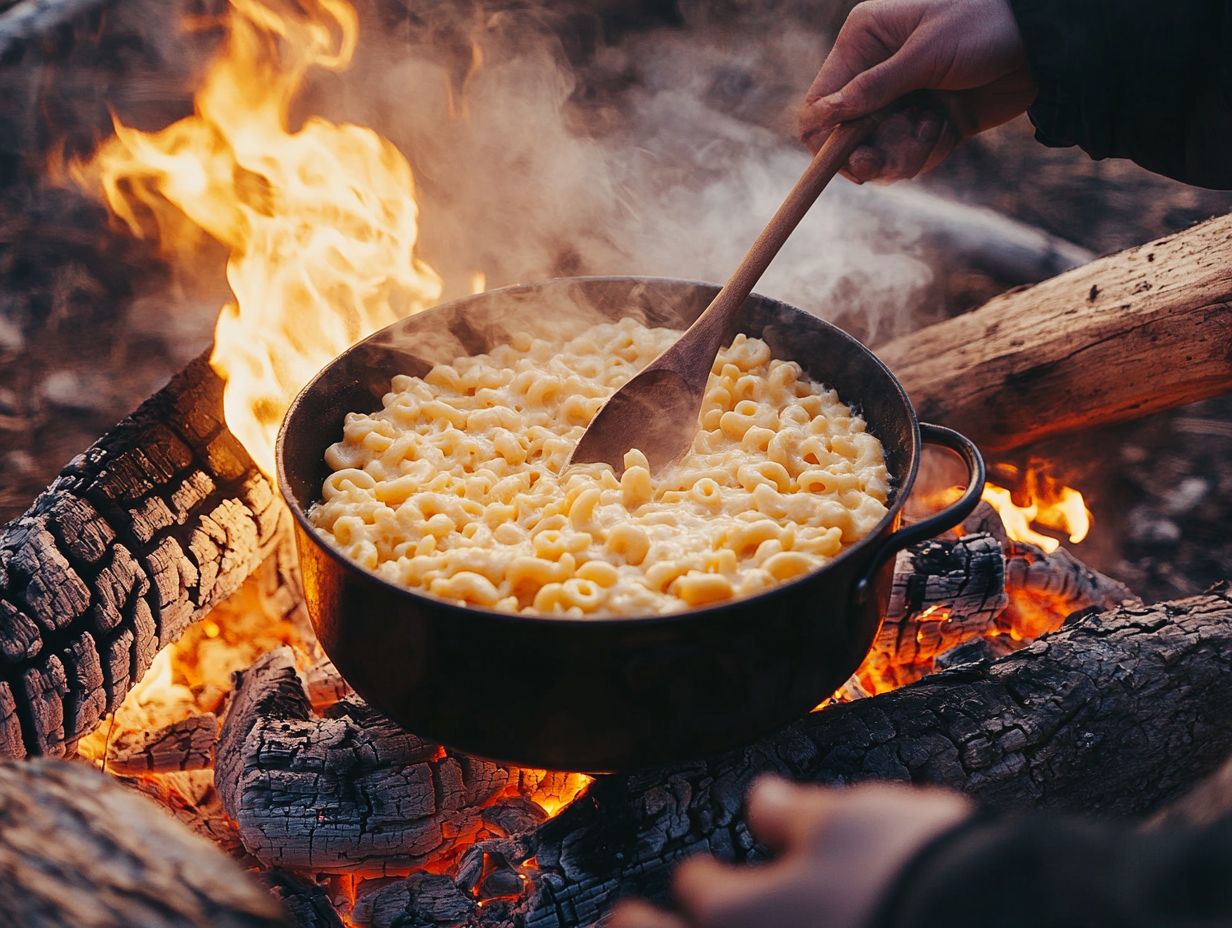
x=829 y=159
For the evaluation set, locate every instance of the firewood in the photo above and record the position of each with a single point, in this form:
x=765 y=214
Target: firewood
x=351 y=792
x=944 y=593
x=77 y=848
x=190 y=797
x=1146 y=329
x=139 y=536
x=324 y=684
x=307 y=904
x=1115 y=714
x=187 y=744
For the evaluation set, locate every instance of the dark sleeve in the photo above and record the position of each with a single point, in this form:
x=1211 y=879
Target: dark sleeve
x=1149 y=80
x=1050 y=873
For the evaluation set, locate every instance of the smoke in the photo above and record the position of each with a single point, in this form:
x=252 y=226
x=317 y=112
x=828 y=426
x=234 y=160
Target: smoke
x=544 y=147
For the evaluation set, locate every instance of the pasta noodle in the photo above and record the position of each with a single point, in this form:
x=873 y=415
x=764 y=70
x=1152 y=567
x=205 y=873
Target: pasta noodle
x=458 y=488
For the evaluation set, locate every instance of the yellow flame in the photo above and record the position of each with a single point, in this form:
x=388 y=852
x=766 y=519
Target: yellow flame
x=321 y=221
x=155 y=682
x=1066 y=513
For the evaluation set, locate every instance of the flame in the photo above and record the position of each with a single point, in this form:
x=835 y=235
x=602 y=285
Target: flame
x=320 y=221
x=1041 y=500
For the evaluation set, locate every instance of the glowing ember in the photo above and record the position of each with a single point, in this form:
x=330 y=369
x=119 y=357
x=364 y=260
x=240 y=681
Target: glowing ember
x=321 y=221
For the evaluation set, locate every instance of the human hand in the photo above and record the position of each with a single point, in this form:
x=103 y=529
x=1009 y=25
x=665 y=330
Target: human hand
x=838 y=852
x=961 y=60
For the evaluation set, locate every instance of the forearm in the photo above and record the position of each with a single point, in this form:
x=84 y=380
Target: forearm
x=1037 y=872
x=1135 y=79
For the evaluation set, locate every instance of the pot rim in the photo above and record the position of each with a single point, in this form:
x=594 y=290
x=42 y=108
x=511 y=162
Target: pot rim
x=901 y=491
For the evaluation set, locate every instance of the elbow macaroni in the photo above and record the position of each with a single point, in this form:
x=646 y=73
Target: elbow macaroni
x=456 y=487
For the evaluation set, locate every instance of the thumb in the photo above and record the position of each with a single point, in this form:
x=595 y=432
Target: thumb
x=867 y=92
x=782 y=814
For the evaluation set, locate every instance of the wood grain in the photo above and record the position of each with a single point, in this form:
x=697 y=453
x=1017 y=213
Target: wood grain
x=1146 y=329
x=141 y=535
x=77 y=848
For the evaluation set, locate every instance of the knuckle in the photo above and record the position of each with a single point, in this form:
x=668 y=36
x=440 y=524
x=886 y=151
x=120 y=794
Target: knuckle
x=863 y=14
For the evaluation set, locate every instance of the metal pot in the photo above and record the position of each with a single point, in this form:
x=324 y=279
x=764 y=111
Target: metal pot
x=602 y=694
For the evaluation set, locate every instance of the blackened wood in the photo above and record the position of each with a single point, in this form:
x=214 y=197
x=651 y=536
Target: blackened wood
x=945 y=592
x=187 y=744
x=1045 y=588
x=77 y=848
x=139 y=536
x=350 y=792
x=948 y=592
x=1147 y=329
x=1115 y=714
x=307 y=904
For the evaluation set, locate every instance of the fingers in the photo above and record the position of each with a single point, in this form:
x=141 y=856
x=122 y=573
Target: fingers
x=906 y=144
x=724 y=896
x=867 y=92
x=634 y=913
x=782 y=815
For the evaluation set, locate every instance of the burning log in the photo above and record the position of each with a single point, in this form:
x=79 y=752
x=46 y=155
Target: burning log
x=116 y=858
x=1143 y=330
x=184 y=745
x=138 y=537
x=948 y=592
x=306 y=903
x=1116 y=714
x=352 y=792
x=302 y=801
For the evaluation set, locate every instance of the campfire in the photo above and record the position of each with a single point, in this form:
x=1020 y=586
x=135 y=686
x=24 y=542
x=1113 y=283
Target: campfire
x=151 y=624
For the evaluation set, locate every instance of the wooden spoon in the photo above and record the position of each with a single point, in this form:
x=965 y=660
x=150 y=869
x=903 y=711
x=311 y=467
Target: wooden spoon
x=656 y=411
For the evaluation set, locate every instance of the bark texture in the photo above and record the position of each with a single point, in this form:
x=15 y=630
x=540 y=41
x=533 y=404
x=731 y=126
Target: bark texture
x=352 y=792
x=187 y=744
x=1147 y=329
x=139 y=536
x=1115 y=714
x=77 y=848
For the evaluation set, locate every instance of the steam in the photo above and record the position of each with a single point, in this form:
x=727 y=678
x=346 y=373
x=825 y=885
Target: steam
x=662 y=154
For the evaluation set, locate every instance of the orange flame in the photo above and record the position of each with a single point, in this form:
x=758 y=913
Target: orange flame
x=321 y=221
x=1042 y=501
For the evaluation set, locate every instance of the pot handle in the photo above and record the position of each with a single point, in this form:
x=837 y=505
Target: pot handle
x=942 y=521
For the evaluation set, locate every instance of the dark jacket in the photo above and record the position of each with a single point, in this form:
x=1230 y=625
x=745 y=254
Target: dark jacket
x=1054 y=873
x=1149 y=80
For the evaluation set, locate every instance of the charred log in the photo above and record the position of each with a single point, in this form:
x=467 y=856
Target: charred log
x=352 y=792
x=1115 y=714
x=950 y=592
x=1156 y=320
x=945 y=593
x=116 y=858
x=138 y=537
x=307 y=904
x=187 y=744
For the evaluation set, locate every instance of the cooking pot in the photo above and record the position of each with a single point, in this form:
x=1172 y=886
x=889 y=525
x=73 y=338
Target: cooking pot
x=602 y=694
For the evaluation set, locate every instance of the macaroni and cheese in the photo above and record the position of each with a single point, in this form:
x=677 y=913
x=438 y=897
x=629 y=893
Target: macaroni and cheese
x=458 y=486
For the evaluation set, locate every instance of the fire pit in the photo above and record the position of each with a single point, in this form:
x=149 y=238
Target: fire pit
x=159 y=562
